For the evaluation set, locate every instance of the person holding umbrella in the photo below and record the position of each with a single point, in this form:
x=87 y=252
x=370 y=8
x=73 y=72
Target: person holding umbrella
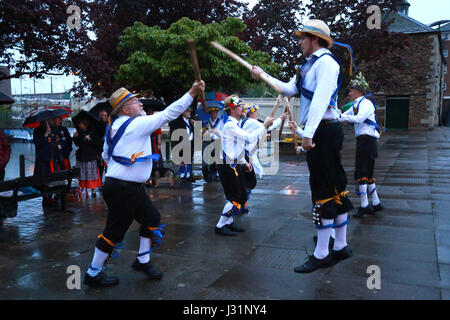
x=45 y=155
x=62 y=145
x=89 y=140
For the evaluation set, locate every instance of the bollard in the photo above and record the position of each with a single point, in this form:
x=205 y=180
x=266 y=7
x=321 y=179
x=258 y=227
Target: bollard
x=22 y=165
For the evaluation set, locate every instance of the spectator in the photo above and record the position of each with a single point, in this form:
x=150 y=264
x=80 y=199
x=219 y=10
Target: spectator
x=184 y=122
x=5 y=153
x=44 y=154
x=62 y=145
x=89 y=142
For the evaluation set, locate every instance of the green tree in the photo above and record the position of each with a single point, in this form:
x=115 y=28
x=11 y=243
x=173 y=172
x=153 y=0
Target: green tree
x=159 y=58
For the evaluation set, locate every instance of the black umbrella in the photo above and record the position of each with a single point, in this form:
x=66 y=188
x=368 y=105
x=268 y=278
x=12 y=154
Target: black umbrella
x=152 y=104
x=35 y=117
x=105 y=105
x=93 y=120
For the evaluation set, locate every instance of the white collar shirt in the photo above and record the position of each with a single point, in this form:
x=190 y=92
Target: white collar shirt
x=234 y=139
x=136 y=139
x=322 y=80
x=366 y=110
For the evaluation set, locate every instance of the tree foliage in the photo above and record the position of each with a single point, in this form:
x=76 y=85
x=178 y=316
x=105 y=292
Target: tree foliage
x=372 y=48
x=35 y=39
x=109 y=18
x=159 y=58
x=271 y=26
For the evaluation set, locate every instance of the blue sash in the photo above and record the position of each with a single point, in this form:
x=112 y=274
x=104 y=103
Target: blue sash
x=310 y=94
x=368 y=121
x=112 y=142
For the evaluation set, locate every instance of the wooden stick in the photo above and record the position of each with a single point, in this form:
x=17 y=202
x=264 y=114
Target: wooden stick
x=247 y=65
x=198 y=77
x=275 y=107
x=294 y=133
x=282 y=121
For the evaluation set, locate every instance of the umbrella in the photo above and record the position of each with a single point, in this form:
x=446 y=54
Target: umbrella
x=94 y=121
x=105 y=105
x=33 y=120
x=152 y=104
x=213 y=99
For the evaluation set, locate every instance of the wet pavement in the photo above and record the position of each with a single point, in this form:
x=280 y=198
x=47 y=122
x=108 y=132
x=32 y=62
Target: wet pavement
x=408 y=240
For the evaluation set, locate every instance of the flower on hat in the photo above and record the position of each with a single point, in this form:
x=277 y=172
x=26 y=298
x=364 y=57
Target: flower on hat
x=250 y=108
x=360 y=83
x=232 y=101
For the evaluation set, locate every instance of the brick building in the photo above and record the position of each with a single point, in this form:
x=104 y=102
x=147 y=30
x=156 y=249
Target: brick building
x=445 y=32
x=416 y=100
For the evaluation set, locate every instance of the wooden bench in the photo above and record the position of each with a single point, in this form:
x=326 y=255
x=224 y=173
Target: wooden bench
x=34 y=187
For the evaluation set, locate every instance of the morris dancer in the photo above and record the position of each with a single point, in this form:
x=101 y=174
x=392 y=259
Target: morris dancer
x=127 y=150
x=212 y=129
x=251 y=124
x=367 y=133
x=235 y=172
x=323 y=136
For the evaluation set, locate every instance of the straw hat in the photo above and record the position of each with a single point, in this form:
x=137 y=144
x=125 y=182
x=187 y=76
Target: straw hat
x=119 y=97
x=318 y=28
x=250 y=108
x=232 y=101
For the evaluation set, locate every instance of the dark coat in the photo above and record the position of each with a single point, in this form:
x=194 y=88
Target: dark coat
x=62 y=137
x=44 y=150
x=5 y=149
x=88 y=149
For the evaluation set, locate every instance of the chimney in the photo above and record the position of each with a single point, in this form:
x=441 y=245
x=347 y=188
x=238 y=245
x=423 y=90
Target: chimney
x=403 y=7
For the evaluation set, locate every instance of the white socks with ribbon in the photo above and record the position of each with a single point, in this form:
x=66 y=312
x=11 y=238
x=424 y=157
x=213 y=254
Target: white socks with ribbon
x=323 y=240
x=372 y=190
x=144 y=246
x=363 y=194
x=97 y=262
x=340 y=241
x=224 y=219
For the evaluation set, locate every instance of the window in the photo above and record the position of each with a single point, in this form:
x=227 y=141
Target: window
x=445 y=87
x=445 y=70
x=446 y=53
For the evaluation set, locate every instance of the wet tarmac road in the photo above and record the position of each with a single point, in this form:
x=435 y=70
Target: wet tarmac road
x=408 y=240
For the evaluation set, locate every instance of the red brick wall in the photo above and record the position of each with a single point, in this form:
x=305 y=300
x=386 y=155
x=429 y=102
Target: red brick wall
x=417 y=79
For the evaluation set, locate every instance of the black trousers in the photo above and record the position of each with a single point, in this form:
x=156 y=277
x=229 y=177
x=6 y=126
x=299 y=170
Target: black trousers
x=235 y=186
x=327 y=177
x=127 y=201
x=366 y=153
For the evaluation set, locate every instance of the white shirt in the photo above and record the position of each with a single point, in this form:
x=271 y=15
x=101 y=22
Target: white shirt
x=252 y=125
x=136 y=139
x=366 y=110
x=234 y=139
x=322 y=80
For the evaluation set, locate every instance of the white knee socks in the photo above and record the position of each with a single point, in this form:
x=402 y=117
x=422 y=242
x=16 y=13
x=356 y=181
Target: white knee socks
x=224 y=219
x=371 y=188
x=97 y=262
x=144 y=246
x=363 y=195
x=341 y=233
x=323 y=240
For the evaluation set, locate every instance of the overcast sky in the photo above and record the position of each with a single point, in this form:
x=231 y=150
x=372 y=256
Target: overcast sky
x=425 y=11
